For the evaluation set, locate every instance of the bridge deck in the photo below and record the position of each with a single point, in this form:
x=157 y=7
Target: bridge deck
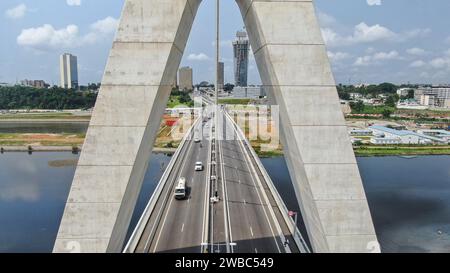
x=246 y=215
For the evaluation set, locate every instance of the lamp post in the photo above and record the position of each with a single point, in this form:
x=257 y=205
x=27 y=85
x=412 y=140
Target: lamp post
x=294 y=214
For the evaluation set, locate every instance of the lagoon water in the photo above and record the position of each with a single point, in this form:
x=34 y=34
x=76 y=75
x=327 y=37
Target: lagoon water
x=409 y=198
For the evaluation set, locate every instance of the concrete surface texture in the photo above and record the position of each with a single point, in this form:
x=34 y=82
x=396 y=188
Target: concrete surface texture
x=143 y=61
x=295 y=70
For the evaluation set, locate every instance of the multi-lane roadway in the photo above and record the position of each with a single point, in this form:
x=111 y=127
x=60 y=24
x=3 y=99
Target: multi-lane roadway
x=245 y=218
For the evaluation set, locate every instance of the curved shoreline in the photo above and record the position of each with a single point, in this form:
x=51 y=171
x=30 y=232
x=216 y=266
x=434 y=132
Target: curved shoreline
x=39 y=148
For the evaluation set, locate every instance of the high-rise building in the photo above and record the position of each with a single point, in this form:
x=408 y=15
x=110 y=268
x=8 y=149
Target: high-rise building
x=68 y=71
x=221 y=75
x=185 y=79
x=241 y=48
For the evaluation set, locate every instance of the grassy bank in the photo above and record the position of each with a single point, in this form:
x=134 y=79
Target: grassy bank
x=15 y=139
x=401 y=150
x=234 y=101
x=49 y=116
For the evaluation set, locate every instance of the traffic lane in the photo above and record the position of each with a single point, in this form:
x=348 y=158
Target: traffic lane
x=144 y=243
x=170 y=225
x=182 y=230
x=192 y=227
x=184 y=224
x=255 y=233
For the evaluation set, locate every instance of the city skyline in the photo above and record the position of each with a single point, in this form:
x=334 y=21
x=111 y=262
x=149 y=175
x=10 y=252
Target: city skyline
x=367 y=42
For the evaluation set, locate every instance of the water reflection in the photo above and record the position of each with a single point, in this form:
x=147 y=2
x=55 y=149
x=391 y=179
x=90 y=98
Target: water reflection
x=409 y=198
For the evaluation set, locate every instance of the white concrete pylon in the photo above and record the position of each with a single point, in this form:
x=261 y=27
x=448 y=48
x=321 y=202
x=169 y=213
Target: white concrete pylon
x=295 y=71
x=143 y=61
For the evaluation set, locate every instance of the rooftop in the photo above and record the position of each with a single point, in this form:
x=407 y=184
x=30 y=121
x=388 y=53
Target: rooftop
x=403 y=132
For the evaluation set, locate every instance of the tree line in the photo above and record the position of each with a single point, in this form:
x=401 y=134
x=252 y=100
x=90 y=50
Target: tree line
x=22 y=97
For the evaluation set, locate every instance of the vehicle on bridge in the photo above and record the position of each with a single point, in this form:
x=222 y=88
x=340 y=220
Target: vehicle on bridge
x=198 y=166
x=180 y=189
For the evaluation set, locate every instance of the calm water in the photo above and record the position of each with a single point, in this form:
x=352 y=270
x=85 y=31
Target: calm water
x=409 y=199
x=43 y=127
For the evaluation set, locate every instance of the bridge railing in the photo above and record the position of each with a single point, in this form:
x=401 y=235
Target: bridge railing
x=142 y=223
x=299 y=240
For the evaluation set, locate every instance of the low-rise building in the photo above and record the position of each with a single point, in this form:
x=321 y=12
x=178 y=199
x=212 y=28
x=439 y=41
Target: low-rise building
x=401 y=136
x=34 y=83
x=442 y=134
x=385 y=140
x=361 y=132
x=410 y=104
x=355 y=96
x=403 y=92
x=250 y=92
x=438 y=97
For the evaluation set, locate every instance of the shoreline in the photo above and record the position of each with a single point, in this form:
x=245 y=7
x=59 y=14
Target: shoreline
x=392 y=151
x=75 y=149
x=47 y=121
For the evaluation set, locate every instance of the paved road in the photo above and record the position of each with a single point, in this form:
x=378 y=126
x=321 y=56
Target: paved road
x=180 y=224
x=246 y=215
x=251 y=224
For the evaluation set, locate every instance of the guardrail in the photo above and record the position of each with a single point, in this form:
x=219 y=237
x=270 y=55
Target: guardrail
x=299 y=240
x=140 y=226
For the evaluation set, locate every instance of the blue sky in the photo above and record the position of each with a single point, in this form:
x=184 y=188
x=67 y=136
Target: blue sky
x=369 y=41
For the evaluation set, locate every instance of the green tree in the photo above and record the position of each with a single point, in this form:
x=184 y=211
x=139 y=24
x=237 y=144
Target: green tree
x=392 y=100
x=386 y=113
x=357 y=107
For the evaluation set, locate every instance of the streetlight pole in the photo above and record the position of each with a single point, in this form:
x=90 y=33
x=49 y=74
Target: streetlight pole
x=216 y=101
x=217 y=49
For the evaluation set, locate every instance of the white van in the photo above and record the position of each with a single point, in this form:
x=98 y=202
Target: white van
x=180 y=189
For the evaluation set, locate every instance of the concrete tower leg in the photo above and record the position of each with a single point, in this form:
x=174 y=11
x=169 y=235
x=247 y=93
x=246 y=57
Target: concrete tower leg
x=294 y=67
x=142 y=64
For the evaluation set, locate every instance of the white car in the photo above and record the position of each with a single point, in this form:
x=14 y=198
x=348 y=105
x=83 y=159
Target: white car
x=198 y=166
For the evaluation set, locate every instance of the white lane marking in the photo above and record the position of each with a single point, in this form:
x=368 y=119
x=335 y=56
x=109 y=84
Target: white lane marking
x=251 y=231
x=182 y=227
x=256 y=250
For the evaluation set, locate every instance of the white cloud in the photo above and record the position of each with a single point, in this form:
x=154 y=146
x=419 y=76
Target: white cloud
x=386 y=55
x=416 y=51
x=338 y=56
x=331 y=38
x=17 y=12
x=364 y=33
x=418 y=64
x=415 y=33
x=325 y=19
x=47 y=37
x=374 y=2
x=106 y=26
x=73 y=2
x=363 y=61
x=440 y=63
x=198 y=57
x=377 y=58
